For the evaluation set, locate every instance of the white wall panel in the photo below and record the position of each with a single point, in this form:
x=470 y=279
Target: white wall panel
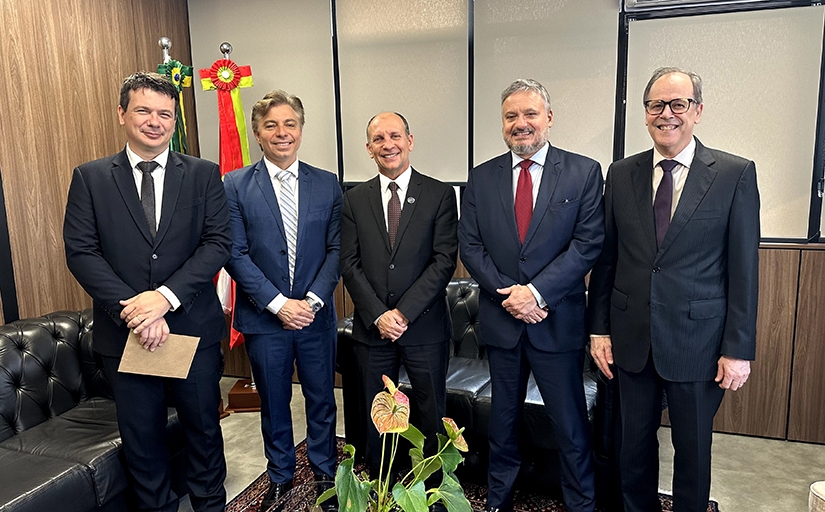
x=409 y=57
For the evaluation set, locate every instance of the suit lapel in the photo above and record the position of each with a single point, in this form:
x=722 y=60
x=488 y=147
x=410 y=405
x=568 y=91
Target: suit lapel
x=125 y=182
x=171 y=190
x=642 y=176
x=304 y=199
x=408 y=208
x=549 y=179
x=504 y=175
x=699 y=179
x=375 y=199
x=265 y=184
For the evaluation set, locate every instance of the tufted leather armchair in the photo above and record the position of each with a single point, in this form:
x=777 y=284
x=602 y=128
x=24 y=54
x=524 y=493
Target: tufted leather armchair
x=469 y=398
x=59 y=440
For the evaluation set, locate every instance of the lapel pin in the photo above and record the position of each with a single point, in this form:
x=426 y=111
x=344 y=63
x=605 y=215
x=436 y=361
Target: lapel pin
x=411 y=200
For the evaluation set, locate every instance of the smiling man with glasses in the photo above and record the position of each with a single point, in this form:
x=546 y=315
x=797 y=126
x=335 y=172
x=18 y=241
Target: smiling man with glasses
x=673 y=295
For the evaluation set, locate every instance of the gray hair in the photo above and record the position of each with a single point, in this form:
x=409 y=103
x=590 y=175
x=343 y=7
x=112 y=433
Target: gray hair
x=527 y=84
x=694 y=78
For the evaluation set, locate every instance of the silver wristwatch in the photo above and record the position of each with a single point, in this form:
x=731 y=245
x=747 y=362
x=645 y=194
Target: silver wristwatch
x=313 y=304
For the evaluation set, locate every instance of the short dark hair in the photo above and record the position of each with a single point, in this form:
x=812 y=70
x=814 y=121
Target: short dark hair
x=146 y=80
x=276 y=99
x=403 y=120
x=695 y=79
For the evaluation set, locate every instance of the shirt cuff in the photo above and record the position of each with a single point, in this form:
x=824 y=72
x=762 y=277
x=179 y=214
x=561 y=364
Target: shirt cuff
x=599 y=336
x=537 y=295
x=171 y=297
x=277 y=303
x=316 y=298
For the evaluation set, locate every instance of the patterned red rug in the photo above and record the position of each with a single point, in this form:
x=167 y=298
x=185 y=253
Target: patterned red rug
x=249 y=500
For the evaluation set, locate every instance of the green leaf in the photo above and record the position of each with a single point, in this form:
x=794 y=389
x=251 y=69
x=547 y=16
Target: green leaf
x=451 y=494
x=413 y=499
x=450 y=456
x=329 y=493
x=430 y=466
x=352 y=492
x=414 y=436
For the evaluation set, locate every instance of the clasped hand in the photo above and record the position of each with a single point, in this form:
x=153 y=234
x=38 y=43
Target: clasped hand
x=144 y=313
x=392 y=324
x=296 y=314
x=521 y=303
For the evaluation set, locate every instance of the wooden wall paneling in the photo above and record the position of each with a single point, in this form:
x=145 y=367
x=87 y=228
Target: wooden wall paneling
x=760 y=407
x=806 y=419
x=153 y=20
x=63 y=61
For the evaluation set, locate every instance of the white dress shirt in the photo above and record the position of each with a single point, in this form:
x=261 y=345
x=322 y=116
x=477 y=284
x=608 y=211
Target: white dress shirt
x=158 y=175
x=278 y=302
x=680 y=172
x=403 y=182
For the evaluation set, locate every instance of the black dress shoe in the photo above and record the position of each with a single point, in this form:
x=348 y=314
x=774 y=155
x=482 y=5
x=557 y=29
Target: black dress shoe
x=488 y=508
x=276 y=491
x=438 y=507
x=326 y=482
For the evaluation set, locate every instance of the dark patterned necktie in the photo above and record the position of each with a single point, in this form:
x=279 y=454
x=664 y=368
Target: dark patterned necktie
x=147 y=194
x=663 y=203
x=393 y=213
x=524 y=199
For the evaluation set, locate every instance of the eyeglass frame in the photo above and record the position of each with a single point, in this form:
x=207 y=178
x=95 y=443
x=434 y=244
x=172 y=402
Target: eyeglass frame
x=668 y=104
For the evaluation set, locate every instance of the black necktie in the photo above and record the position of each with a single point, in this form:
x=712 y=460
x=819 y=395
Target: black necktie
x=663 y=203
x=393 y=213
x=147 y=194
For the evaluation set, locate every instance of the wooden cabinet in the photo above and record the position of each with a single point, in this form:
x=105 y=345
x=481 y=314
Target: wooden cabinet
x=806 y=418
x=760 y=407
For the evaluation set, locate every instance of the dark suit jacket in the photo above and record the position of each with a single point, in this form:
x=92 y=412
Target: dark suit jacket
x=413 y=276
x=111 y=253
x=562 y=243
x=260 y=264
x=694 y=298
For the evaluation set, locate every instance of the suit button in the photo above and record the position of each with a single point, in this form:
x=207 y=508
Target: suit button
x=392 y=294
x=154 y=286
x=656 y=270
x=392 y=266
x=283 y=251
x=154 y=256
x=284 y=279
x=522 y=260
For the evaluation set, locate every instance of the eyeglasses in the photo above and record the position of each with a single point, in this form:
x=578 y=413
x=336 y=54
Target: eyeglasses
x=677 y=106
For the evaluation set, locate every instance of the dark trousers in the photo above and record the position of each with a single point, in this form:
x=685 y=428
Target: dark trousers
x=426 y=367
x=559 y=378
x=142 y=417
x=691 y=407
x=272 y=358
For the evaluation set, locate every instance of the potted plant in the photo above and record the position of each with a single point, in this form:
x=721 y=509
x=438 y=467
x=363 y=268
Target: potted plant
x=390 y=414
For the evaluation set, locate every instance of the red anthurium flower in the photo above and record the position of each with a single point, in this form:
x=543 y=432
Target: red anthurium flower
x=390 y=410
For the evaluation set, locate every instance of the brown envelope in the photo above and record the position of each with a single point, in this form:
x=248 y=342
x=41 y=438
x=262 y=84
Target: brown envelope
x=173 y=359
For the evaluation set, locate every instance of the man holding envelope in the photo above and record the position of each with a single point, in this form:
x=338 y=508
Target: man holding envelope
x=145 y=232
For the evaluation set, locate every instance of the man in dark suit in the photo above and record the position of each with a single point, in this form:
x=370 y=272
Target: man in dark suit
x=673 y=296
x=531 y=228
x=398 y=252
x=285 y=217
x=145 y=231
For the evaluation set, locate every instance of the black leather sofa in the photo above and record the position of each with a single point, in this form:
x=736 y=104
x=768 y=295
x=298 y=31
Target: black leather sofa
x=60 y=448
x=468 y=398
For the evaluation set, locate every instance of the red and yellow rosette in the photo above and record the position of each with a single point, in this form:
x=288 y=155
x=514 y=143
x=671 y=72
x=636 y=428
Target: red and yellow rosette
x=227 y=78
